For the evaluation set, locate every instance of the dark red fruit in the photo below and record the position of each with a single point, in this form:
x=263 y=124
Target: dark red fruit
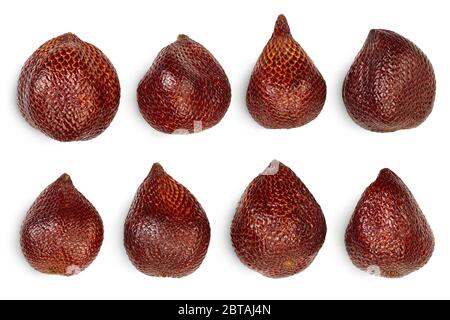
x=391 y=85
x=278 y=228
x=388 y=234
x=185 y=91
x=166 y=232
x=286 y=90
x=62 y=232
x=68 y=89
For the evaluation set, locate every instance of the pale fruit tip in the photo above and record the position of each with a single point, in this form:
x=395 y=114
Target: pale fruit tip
x=272 y=169
x=282 y=26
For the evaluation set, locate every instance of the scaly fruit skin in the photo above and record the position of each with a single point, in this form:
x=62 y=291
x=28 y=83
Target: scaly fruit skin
x=278 y=228
x=68 y=89
x=391 y=85
x=62 y=232
x=185 y=91
x=286 y=90
x=388 y=233
x=167 y=232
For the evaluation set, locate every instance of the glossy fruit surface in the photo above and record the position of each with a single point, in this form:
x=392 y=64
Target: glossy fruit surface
x=286 y=90
x=388 y=234
x=278 y=227
x=391 y=85
x=186 y=90
x=166 y=232
x=68 y=89
x=62 y=232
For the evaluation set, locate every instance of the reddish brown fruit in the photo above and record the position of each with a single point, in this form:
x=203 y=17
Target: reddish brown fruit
x=185 y=91
x=62 y=232
x=68 y=89
x=391 y=85
x=286 y=90
x=388 y=234
x=278 y=228
x=166 y=232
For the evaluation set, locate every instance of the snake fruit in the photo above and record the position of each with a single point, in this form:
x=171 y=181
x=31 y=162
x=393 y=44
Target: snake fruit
x=166 y=232
x=388 y=235
x=185 y=91
x=62 y=232
x=278 y=228
x=391 y=85
x=286 y=90
x=68 y=89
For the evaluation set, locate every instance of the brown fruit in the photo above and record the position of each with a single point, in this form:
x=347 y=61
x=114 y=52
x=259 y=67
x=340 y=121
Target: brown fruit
x=68 y=89
x=166 y=232
x=185 y=91
x=388 y=234
x=62 y=232
x=286 y=90
x=391 y=85
x=278 y=228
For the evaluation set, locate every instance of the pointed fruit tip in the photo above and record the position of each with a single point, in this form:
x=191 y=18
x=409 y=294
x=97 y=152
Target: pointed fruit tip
x=65 y=178
x=386 y=173
x=157 y=168
x=376 y=33
x=282 y=26
x=272 y=169
x=182 y=37
x=69 y=36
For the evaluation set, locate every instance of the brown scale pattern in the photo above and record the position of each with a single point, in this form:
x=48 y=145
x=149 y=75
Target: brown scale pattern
x=185 y=90
x=167 y=231
x=391 y=85
x=278 y=227
x=68 y=89
x=388 y=232
x=286 y=90
x=62 y=232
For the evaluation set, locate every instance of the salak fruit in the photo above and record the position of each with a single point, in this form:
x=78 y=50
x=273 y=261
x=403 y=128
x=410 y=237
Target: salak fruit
x=388 y=234
x=185 y=91
x=391 y=85
x=166 y=232
x=286 y=90
x=62 y=232
x=68 y=89
x=278 y=227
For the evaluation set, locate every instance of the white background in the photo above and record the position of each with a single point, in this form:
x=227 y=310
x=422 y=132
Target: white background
x=334 y=157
